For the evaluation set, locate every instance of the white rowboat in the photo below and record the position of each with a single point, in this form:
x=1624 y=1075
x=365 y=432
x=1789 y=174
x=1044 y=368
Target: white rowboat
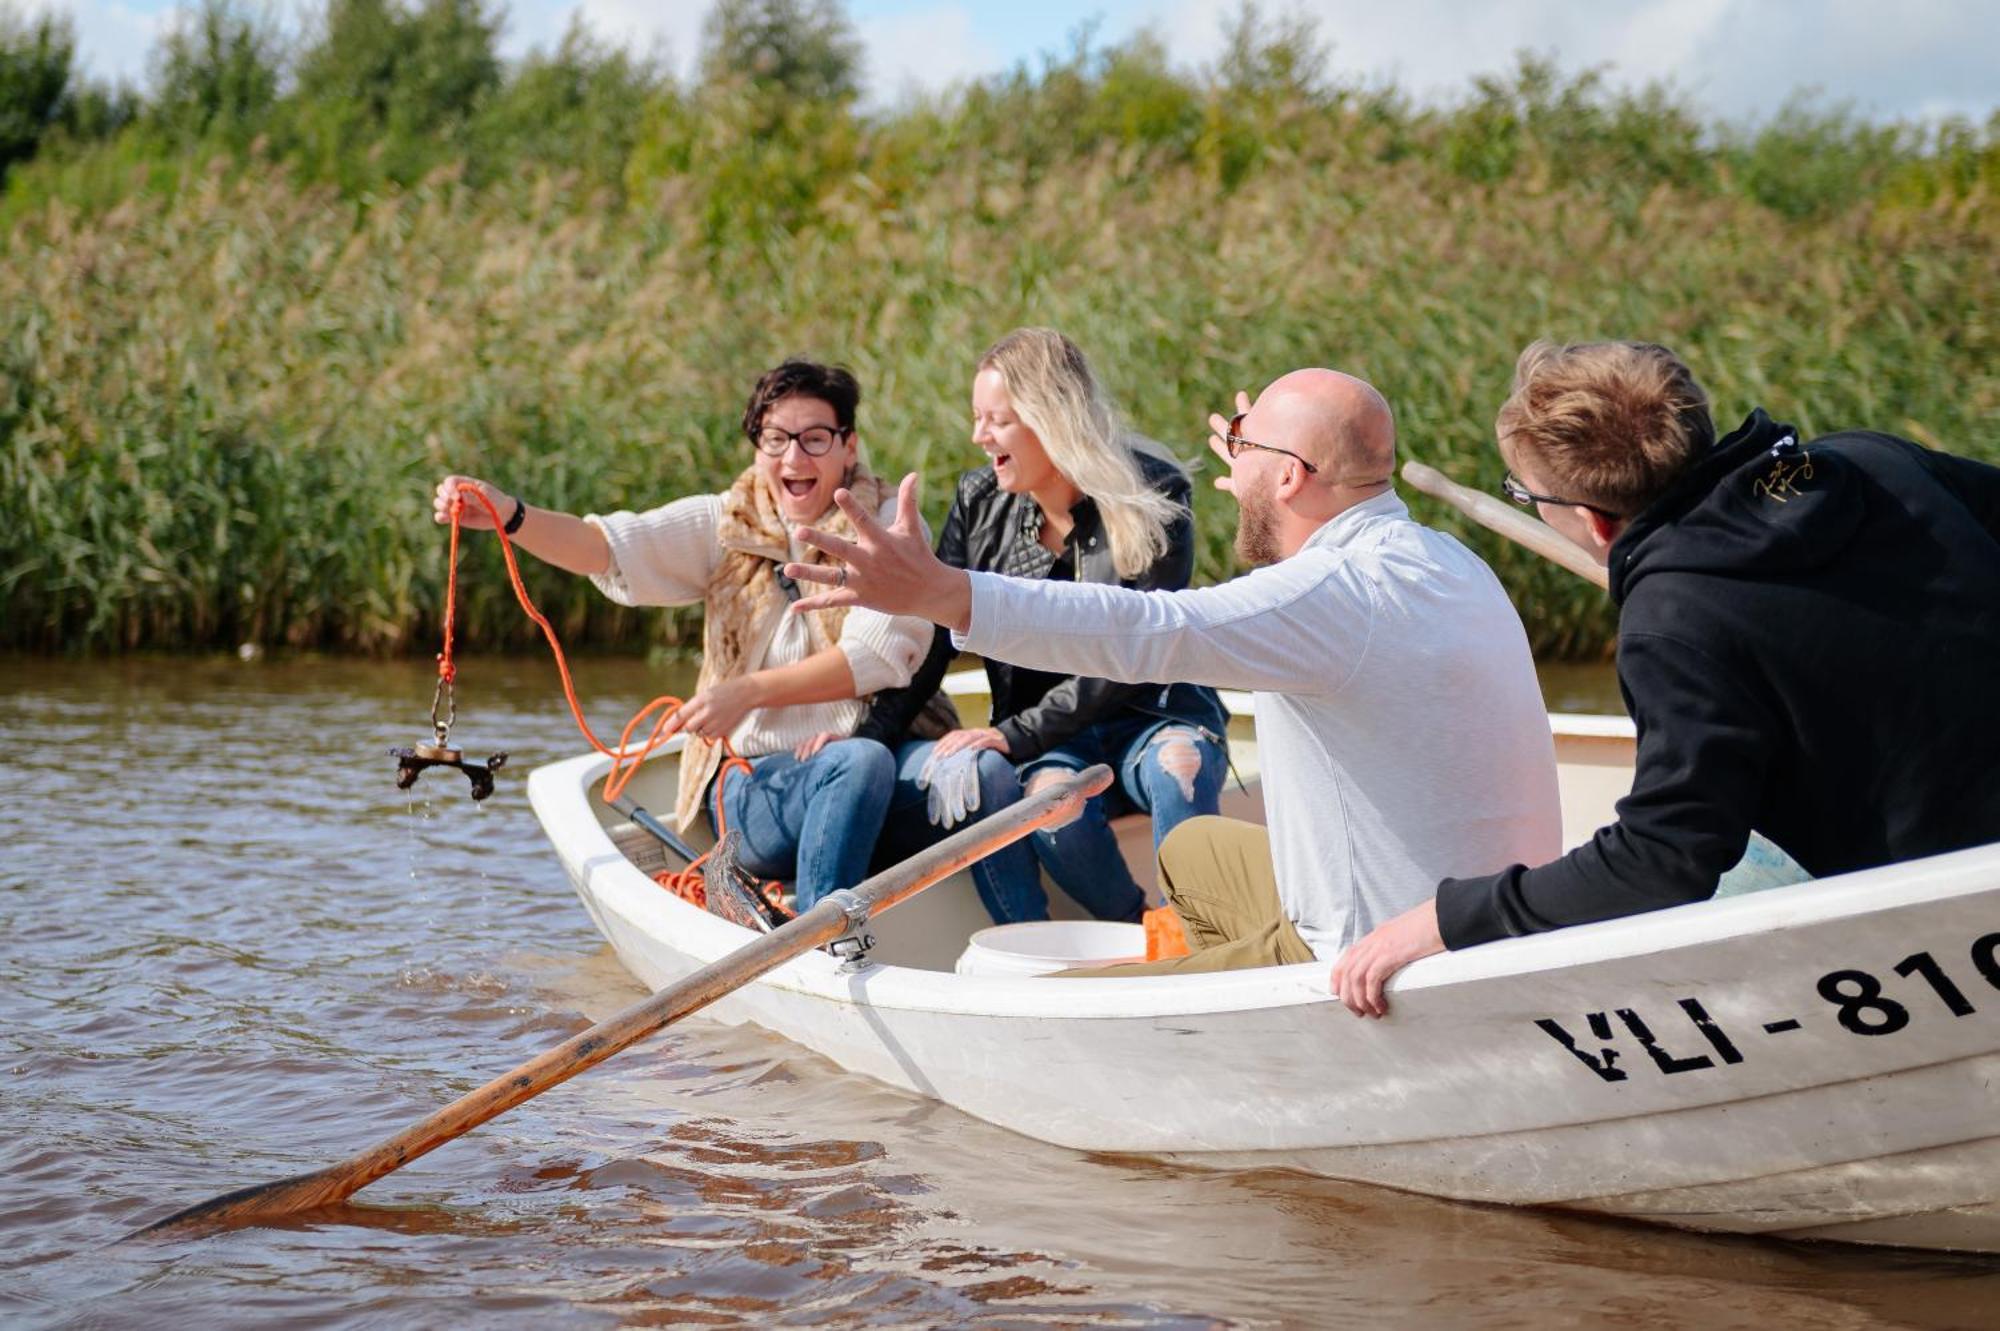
x=1815 y=1061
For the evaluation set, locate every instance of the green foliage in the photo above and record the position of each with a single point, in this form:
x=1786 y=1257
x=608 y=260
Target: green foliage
x=216 y=75
x=802 y=50
x=34 y=73
x=1266 y=93
x=751 y=164
x=1140 y=100
x=1539 y=123
x=226 y=389
x=1125 y=102
x=385 y=92
x=96 y=111
x=769 y=131
x=1809 y=163
x=1279 y=63
x=1952 y=165
x=575 y=108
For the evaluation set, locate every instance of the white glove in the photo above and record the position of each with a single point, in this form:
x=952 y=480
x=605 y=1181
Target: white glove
x=952 y=785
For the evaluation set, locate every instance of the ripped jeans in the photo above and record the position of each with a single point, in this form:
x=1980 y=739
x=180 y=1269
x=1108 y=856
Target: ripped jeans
x=1170 y=769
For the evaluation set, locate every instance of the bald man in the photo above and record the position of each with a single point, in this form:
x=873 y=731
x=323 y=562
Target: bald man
x=1401 y=730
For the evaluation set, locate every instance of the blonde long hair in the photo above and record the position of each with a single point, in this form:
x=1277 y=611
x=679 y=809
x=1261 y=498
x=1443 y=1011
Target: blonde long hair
x=1055 y=395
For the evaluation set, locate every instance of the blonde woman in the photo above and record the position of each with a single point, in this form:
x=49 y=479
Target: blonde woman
x=1065 y=494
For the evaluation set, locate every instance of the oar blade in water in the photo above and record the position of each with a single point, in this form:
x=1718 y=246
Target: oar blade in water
x=262 y=1201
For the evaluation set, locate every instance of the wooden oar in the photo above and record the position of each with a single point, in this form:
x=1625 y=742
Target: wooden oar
x=1511 y=522
x=829 y=918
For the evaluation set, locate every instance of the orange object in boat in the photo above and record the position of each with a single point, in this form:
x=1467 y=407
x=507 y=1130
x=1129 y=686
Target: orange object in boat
x=1166 y=936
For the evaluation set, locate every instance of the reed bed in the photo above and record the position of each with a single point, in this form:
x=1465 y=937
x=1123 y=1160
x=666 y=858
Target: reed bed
x=223 y=406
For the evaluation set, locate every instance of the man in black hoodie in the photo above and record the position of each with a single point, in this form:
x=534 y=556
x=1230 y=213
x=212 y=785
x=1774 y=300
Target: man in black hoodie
x=1808 y=644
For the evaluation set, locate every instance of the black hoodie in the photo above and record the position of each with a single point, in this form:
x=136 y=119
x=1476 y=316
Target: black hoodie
x=1809 y=645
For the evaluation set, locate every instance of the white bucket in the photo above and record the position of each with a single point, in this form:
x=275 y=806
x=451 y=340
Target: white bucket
x=1042 y=946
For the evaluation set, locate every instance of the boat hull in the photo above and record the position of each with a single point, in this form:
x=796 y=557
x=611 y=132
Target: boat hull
x=1815 y=1061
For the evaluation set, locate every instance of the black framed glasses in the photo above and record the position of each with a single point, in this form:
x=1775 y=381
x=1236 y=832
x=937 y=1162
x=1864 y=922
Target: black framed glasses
x=814 y=439
x=1234 y=443
x=1510 y=485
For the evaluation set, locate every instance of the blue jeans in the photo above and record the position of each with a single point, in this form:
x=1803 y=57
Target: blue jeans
x=813 y=823
x=1009 y=880
x=1170 y=769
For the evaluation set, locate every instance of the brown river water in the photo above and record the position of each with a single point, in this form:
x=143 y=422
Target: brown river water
x=233 y=951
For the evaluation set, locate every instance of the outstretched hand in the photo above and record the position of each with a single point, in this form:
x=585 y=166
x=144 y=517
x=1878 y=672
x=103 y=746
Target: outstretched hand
x=1218 y=426
x=472 y=515
x=890 y=568
x=1362 y=971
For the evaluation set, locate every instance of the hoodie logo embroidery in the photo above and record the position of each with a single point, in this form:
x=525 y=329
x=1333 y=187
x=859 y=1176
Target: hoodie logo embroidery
x=1790 y=464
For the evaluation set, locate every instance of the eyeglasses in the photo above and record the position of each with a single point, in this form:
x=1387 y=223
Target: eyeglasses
x=1510 y=485
x=814 y=439
x=1234 y=443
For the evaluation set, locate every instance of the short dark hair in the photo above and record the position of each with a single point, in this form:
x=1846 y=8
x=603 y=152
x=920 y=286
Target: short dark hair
x=1611 y=424
x=834 y=385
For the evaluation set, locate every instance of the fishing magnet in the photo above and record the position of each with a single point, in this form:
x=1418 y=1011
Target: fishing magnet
x=411 y=762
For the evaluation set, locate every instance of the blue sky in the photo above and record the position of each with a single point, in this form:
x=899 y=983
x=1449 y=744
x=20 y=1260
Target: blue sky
x=1737 y=59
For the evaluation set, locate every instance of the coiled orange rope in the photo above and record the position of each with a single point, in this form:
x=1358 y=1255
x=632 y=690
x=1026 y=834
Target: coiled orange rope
x=687 y=883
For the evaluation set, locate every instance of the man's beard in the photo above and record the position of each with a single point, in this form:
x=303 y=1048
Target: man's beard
x=1256 y=530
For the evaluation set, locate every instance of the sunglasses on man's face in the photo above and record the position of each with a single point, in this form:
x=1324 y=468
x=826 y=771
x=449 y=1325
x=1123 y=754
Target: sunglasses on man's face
x=1234 y=443
x=1510 y=485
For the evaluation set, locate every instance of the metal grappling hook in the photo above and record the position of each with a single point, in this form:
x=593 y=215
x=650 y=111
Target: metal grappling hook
x=411 y=762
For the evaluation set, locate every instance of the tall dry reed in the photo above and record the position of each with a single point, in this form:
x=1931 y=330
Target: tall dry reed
x=222 y=408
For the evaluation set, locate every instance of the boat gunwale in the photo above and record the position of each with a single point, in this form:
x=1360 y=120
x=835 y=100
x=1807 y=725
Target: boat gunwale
x=561 y=795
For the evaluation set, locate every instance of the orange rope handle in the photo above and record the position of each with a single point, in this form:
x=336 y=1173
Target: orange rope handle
x=447 y=669
x=686 y=883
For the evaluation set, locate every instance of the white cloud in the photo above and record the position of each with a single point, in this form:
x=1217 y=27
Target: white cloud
x=673 y=27
x=927 y=50
x=114 y=42
x=1734 y=58
x=1900 y=59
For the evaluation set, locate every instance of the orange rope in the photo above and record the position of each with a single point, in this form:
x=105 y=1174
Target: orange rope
x=686 y=883
x=447 y=671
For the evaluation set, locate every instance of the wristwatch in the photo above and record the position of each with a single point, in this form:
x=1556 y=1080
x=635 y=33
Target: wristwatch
x=520 y=516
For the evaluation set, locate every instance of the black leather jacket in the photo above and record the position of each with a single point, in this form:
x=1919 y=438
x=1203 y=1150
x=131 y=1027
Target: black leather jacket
x=991 y=531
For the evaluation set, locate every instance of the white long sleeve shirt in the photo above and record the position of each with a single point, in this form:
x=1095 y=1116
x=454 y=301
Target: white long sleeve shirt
x=667 y=555
x=1401 y=732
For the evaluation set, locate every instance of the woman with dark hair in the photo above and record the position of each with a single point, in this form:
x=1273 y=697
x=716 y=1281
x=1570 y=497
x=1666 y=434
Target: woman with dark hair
x=772 y=684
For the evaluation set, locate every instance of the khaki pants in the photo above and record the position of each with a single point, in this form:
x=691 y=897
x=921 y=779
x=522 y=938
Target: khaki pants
x=1217 y=873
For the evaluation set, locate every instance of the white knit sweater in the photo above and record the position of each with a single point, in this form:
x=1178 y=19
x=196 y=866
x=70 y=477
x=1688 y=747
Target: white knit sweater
x=666 y=556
